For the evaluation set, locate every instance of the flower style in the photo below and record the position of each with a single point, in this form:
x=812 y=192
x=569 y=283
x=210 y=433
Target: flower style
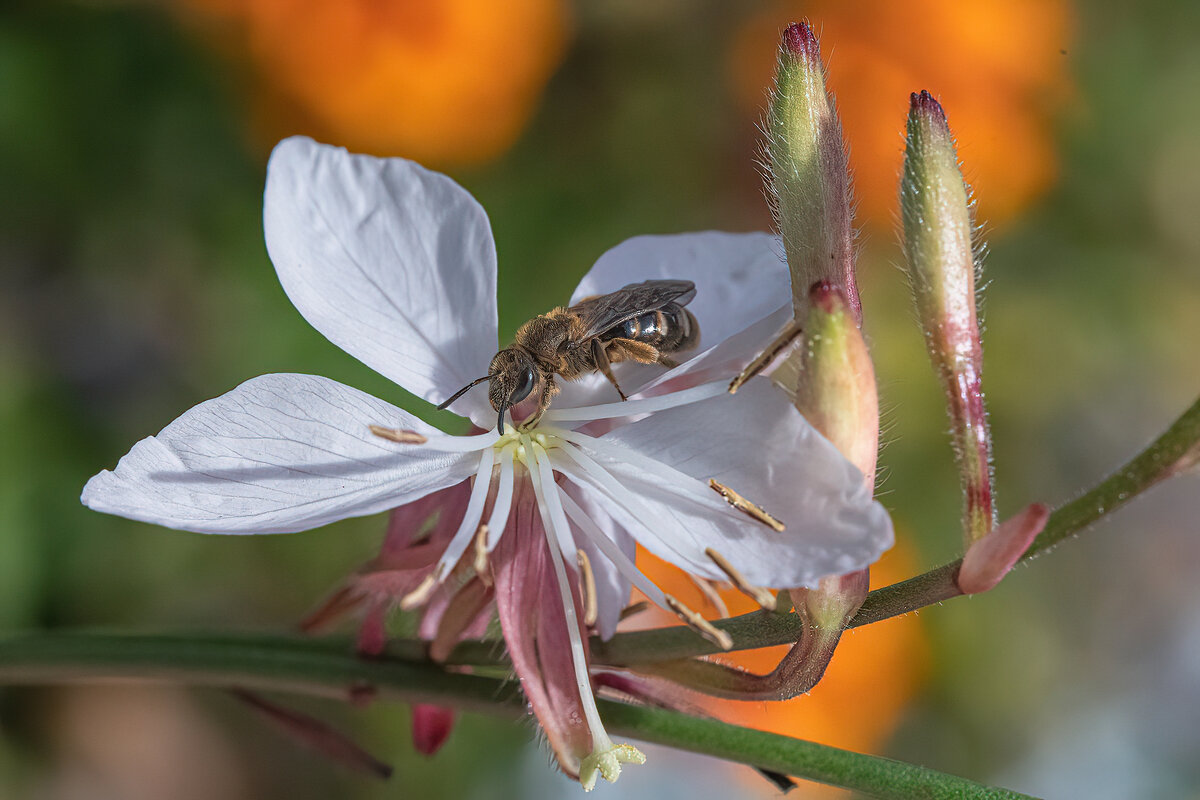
x=396 y=265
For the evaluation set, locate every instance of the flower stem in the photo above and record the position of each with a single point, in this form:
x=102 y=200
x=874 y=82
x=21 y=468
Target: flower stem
x=326 y=669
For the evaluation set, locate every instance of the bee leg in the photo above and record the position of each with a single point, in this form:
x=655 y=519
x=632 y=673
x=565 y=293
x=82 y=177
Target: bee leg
x=633 y=350
x=600 y=356
x=669 y=363
x=549 y=389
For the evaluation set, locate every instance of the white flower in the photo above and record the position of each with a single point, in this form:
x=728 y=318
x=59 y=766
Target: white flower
x=396 y=265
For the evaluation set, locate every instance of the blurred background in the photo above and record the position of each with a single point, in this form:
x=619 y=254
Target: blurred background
x=134 y=284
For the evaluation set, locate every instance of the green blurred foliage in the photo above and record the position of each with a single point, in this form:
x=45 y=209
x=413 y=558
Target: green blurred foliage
x=134 y=284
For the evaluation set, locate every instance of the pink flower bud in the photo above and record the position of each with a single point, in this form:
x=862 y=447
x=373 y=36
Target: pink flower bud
x=990 y=558
x=938 y=244
x=809 y=179
x=431 y=726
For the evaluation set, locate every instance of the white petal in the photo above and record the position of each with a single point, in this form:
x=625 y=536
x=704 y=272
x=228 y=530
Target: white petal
x=393 y=263
x=280 y=453
x=757 y=444
x=740 y=277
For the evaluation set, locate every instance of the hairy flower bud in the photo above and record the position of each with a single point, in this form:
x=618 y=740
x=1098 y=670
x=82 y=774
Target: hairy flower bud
x=835 y=389
x=990 y=558
x=809 y=180
x=938 y=236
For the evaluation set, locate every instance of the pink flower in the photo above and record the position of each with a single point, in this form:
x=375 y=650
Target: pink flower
x=396 y=265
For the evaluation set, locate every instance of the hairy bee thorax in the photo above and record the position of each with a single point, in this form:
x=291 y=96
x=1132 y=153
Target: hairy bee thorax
x=546 y=338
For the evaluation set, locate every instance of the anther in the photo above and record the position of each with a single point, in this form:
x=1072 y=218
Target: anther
x=764 y=359
x=481 y=555
x=700 y=625
x=588 y=588
x=398 y=435
x=758 y=594
x=634 y=608
x=421 y=594
x=745 y=506
x=710 y=594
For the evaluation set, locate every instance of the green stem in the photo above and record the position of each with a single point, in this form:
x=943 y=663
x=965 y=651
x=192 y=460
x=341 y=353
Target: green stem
x=317 y=667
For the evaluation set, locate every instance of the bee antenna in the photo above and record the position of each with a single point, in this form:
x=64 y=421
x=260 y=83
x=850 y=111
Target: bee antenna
x=462 y=391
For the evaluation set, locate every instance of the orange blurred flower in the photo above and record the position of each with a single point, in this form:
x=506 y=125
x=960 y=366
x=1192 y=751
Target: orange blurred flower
x=439 y=81
x=998 y=67
x=873 y=675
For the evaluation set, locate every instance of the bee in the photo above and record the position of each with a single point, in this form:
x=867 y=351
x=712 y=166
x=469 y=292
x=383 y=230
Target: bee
x=644 y=322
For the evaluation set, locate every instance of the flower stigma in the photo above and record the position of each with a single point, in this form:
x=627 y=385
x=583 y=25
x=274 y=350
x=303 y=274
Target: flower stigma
x=608 y=763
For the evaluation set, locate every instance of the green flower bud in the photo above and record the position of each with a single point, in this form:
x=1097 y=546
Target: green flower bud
x=809 y=179
x=938 y=238
x=835 y=384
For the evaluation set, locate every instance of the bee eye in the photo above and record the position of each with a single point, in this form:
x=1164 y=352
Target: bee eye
x=524 y=386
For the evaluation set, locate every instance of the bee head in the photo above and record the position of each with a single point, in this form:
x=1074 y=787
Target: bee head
x=513 y=376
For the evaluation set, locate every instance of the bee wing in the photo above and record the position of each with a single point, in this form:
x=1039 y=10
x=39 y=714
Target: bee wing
x=605 y=311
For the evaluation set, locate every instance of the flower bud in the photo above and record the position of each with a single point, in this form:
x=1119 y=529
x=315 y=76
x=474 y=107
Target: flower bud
x=431 y=726
x=990 y=558
x=835 y=389
x=936 y=211
x=809 y=179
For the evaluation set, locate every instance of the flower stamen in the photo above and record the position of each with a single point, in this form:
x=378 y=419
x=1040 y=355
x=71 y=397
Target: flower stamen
x=619 y=452
x=638 y=405
x=473 y=516
x=561 y=529
x=460 y=444
x=610 y=550
x=752 y=510
x=758 y=594
x=700 y=625
x=588 y=589
x=503 y=503
x=420 y=595
x=763 y=360
x=634 y=608
x=398 y=435
x=481 y=554
x=711 y=594
x=605 y=481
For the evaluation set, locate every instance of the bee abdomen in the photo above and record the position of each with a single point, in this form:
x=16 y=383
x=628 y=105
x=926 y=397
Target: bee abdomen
x=669 y=329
